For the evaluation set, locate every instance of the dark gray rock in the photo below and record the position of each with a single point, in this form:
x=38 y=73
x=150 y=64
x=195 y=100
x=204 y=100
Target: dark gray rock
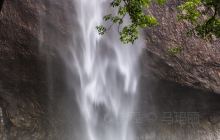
x=34 y=101
x=24 y=81
x=196 y=65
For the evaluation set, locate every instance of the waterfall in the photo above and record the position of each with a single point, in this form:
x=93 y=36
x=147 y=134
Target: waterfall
x=106 y=75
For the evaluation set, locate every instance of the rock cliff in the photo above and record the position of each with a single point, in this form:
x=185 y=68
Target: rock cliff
x=32 y=100
x=173 y=55
x=25 y=42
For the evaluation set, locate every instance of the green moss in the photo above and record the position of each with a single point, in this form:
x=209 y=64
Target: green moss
x=174 y=51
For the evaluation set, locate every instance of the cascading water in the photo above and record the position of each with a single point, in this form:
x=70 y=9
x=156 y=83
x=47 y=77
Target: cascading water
x=107 y=73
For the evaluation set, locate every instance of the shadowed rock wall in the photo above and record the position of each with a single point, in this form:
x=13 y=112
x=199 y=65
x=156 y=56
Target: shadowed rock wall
x=29 y=29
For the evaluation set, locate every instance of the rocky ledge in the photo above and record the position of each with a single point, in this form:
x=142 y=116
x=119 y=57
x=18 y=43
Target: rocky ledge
x=173 y=55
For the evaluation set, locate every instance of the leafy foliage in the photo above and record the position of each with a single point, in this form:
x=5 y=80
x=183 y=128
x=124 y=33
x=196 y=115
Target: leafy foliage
x=193 y=11
x=135 y=10
x=189 y=10
x=175 y=50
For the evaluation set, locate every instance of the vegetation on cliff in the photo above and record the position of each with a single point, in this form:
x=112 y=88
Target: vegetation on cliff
x=202 y=14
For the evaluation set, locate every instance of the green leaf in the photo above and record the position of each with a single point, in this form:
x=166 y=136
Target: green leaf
x=161 y=1
x=107 y=17
x=101 y=29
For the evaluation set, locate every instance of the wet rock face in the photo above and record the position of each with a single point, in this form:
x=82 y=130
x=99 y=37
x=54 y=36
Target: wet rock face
x=197 y=64
x=168 y=111
x=24 y=89
x=22 y=82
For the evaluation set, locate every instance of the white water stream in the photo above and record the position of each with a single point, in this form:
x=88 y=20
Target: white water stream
x=108 y=75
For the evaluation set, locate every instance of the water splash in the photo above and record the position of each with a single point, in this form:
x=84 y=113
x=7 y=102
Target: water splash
x=107 y=72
